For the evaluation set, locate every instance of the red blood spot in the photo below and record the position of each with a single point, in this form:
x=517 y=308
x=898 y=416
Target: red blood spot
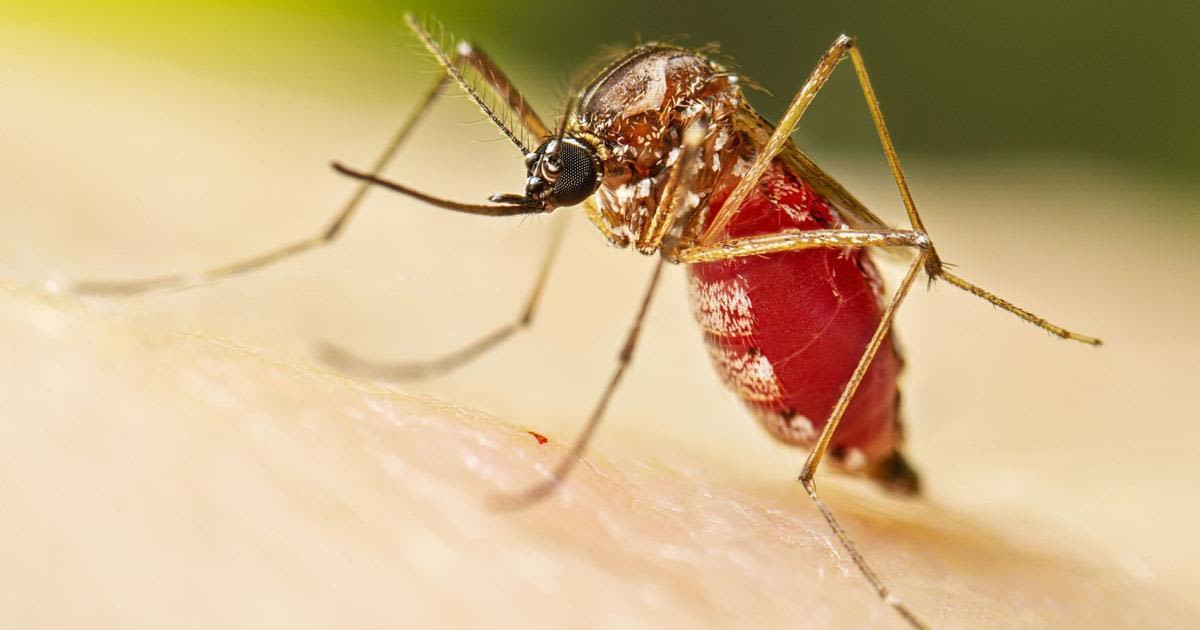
x=538 y=436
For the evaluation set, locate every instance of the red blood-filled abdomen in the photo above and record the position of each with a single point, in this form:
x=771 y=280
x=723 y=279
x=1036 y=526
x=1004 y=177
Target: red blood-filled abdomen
x=786 y=330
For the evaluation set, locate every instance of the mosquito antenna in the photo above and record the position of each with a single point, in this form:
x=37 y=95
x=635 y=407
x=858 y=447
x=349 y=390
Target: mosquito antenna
x=452 y=69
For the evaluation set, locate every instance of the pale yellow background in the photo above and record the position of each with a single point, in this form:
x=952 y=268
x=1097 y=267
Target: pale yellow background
x=184 y=461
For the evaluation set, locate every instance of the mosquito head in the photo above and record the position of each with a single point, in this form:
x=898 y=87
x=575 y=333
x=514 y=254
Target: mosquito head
x=561 y=172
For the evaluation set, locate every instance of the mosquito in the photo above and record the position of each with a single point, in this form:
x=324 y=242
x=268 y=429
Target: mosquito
x=668 y=158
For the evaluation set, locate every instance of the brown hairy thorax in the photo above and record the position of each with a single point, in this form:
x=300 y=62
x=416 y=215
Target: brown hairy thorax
x=637 y=110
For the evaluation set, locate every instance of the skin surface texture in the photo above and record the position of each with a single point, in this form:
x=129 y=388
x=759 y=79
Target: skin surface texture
x=204 y=480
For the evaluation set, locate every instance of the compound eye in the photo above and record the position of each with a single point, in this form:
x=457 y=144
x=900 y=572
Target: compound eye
x=574 y=171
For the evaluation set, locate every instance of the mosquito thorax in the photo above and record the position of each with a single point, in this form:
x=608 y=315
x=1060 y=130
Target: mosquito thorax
x=638 y=108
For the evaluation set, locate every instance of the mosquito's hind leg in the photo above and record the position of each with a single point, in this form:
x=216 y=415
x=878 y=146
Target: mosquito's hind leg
x=842 y=48
x=451 y=361
x=933 y=264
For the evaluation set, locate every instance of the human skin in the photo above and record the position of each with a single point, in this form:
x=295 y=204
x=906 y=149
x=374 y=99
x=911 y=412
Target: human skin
x=157 y=476
x=184 y=460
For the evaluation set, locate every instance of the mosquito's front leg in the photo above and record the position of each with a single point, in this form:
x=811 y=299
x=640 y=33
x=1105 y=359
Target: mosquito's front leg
x=453 y=360
x=465 y=56
x=327 y=235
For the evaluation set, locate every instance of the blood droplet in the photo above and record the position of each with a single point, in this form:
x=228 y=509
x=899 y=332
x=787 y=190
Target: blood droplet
x=538 y=436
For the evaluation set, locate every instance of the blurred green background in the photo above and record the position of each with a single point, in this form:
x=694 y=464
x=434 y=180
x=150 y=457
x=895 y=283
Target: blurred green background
x=1109 y=83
